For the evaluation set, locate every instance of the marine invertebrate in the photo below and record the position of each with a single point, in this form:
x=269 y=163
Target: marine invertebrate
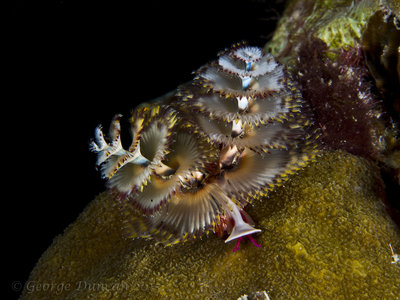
x=395 y=256
x=200 y=155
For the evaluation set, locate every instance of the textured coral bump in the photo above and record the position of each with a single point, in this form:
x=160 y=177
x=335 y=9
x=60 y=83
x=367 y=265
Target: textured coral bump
x=200 y=155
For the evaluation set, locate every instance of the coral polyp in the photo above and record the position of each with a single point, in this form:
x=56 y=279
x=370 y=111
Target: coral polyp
x=201 y=154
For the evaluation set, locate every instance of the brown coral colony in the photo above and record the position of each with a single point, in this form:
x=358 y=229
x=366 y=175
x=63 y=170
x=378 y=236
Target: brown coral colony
x=199 y=156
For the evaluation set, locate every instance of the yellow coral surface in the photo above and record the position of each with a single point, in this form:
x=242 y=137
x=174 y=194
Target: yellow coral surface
x=325 y=234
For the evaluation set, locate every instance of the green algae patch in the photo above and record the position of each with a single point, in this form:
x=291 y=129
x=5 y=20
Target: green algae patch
x=325 y=234
x=340 y=24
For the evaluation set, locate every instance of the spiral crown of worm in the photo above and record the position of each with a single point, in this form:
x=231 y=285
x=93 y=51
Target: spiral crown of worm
x=199 y=155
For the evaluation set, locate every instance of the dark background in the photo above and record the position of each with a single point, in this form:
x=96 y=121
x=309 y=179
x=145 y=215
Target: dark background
x=73 y=65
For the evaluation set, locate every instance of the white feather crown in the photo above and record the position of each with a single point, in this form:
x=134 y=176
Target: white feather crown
x=198 y=156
